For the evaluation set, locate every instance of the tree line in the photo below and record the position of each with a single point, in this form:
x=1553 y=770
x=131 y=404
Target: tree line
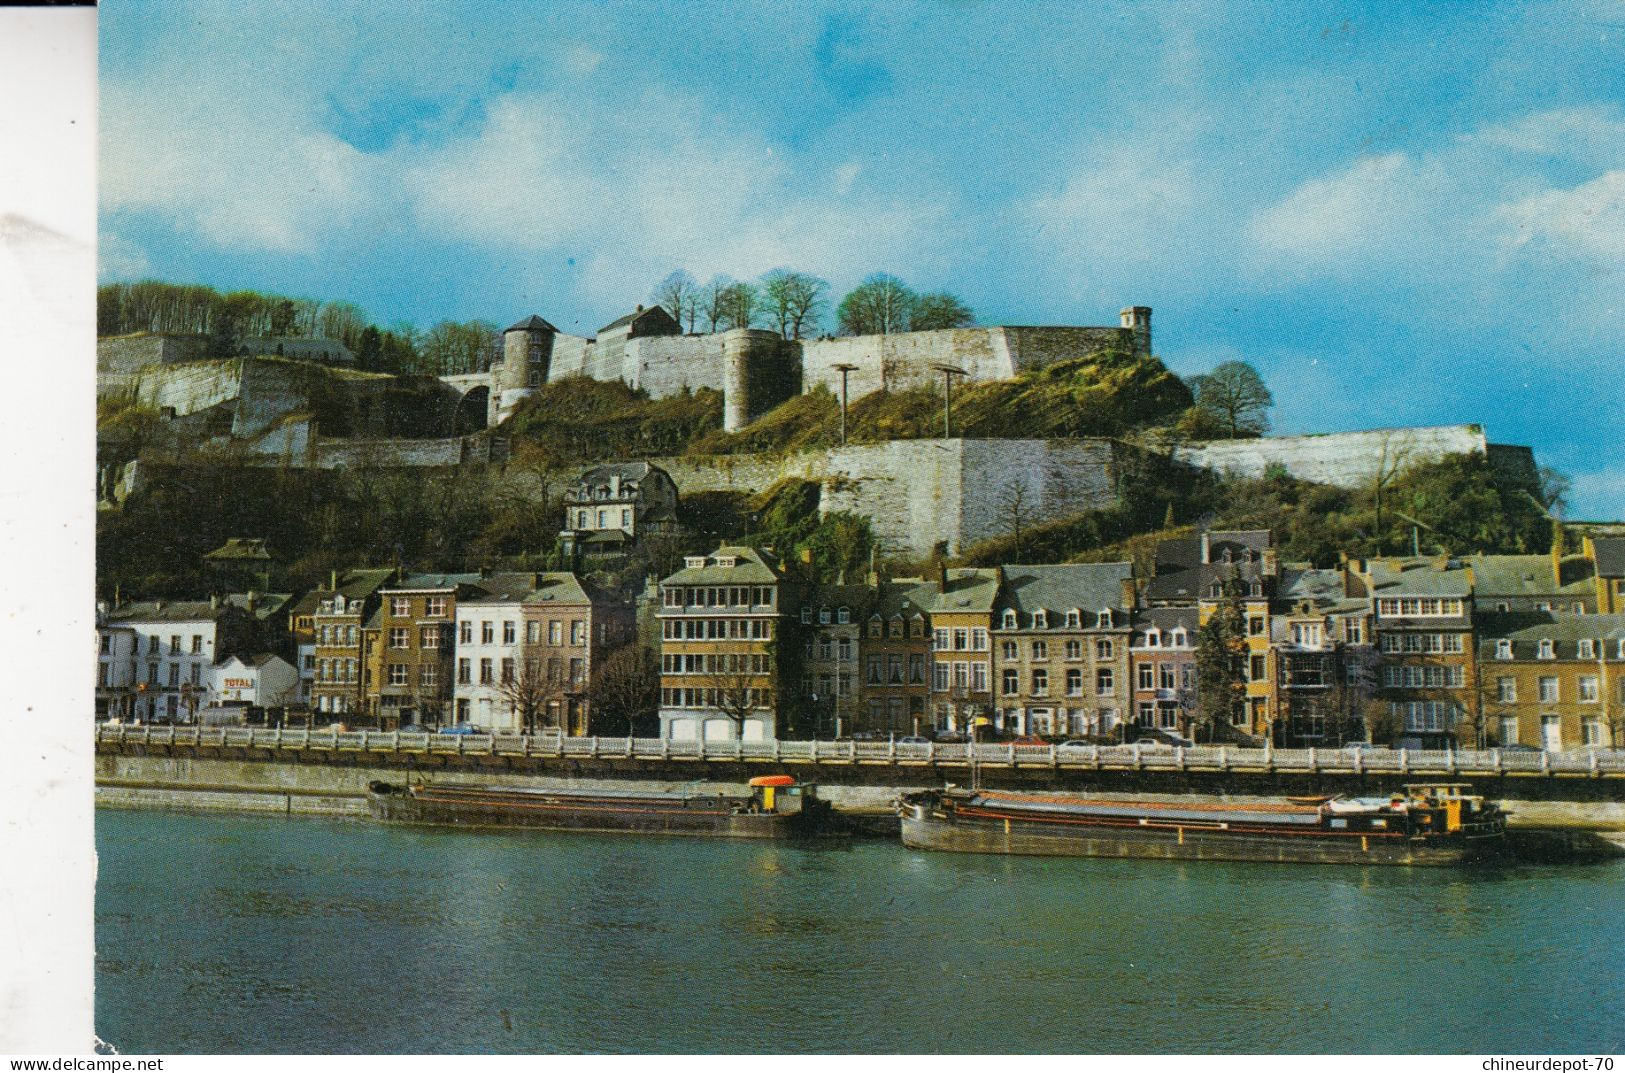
x=796 y=304
x=229 y=318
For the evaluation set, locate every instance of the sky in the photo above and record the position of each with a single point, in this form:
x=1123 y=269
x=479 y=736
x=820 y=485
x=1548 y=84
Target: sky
x=1400 y=214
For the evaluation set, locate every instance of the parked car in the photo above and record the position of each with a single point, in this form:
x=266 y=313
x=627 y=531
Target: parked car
x=950 y=737
x=914 y=739
x=1028 y=739
x=412 y=728
x=462 y=728
x=1075 y=743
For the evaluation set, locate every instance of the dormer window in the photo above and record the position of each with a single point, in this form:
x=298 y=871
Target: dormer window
x=843 y=616
x=1548 y=650
x=1255 y=588
x=1074 y=619
x=1009 y=621
x=693 y=562
x=1105 y=619
x=1215 y=590
x=727 y=561
x=823 y=616
x=1040 y=619
x=1153 y=638
x=1179 y=639
x=1587 y=649
x=806 y=616
x=1503 y=650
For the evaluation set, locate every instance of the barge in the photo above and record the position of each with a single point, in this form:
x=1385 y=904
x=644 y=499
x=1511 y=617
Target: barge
x=1431 y=824
x=775 y=807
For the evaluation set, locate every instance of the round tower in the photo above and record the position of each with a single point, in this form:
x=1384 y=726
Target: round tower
x=527 y=351
x=749 y=362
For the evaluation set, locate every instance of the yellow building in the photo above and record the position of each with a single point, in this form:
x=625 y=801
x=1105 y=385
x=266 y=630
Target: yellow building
x=1553 y=681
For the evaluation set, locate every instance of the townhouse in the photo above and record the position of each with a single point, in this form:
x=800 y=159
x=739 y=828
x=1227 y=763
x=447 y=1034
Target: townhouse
x=1324 y=658
x=334 y=619
x=1552 y=681
x=408 y=649
x=832 y=618
x=895 y=649
x=721 y=618
x=961 y=655
x=1162 y=671
x=1060 y=645
x=1422 y=613
x=163 y=649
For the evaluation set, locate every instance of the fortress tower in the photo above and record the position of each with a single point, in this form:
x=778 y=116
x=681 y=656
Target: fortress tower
x=1137 y=319
x=527 y=351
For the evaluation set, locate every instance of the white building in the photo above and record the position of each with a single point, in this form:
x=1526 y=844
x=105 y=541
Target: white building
x=172 y=645
x=115 y=672
x=258 y=681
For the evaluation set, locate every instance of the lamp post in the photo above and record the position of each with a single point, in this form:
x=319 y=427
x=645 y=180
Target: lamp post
x=844 y=368
x=948 y=373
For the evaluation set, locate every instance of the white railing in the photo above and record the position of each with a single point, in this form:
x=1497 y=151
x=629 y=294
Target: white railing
x=1587 y=761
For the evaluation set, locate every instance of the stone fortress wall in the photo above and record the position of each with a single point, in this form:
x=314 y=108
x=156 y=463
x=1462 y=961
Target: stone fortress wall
x=756 y=370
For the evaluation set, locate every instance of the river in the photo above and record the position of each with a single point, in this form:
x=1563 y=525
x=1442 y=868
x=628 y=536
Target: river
x=243 y=934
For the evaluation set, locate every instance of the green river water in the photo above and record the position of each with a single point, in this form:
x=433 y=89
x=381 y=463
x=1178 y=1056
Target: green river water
x=226 y=934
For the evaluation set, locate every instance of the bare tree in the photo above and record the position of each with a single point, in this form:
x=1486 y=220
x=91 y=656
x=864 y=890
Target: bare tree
x=741 y=305
x=794 y=300
x=625 y=687
x=679 y=295
x=1394 y=455
x=880 y=305
x=526 y=690
x=736 y=682
x=1013 y=506
x=712 y=302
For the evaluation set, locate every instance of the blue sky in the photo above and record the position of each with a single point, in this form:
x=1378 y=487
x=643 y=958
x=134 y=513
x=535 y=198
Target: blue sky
x=1400 y=214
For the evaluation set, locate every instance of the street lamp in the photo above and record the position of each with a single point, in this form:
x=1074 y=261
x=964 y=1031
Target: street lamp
x=948 y=373
x=844 y=368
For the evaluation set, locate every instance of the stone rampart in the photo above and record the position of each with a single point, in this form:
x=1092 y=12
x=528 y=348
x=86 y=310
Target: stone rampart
x=1345 y=459
x=190 y=387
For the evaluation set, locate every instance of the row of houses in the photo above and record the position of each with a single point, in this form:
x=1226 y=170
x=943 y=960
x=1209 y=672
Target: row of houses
x=1486 y=649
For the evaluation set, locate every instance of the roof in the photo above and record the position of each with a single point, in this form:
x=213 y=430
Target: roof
x=171 y=611
x=905 y=596
x=558 y=587
x=1527 y=629
x=1181 y=575
x=1323 y=588
x=532 y=323
x=1524 y=575
x=501 y=587
x=1058 y=589
x=626 y=471
x=1165 y=620
x=637 y=315
x=417 y=582
x=1610 y=556
x=240 y=549
x=353 y=585
x=266 y=604
x=858 y=599
x=1419 y=577
x=259 y=659
x=969 y=588
x=752 y=567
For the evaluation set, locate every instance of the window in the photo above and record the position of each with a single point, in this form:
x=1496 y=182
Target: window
x=435 y=607
x=939 y=638
x=1040 y=619
x=400 y=607
x=1503 y=649
x=1153 y=639
x=429 y=636
x=106 y=644
x=823 y=616
x=1009 y=620
x=1104 y=686
x=350 y=634
x=397 y=674
x=555 y=633
x=1257 y=669
x=465 y=632
x=1585 y=649
x=843 y=648
x=1147 y=676
x=507 y=669
x=1012 y=682
x=509 y=632
x=429 y=674
x=1040 y=683
x=1074 y=650
x=1591 y=733
x=399 y=637
x=1103 y=649
x=1588 y=688
x=533 y=632
x=1509 y=730
x=626 y=518
x=806 y=616
x=978 y=677
x=978 y=640
x=1009 y=650
x=1548 y=691
x=894 y=670
x=1353 y=631
x=1040 y=650
x=1307 y=634
x=1104 y=620
x=843 y=615
x=961 y=639
x=175 y=643
x=1506 y=690
x=1255 y=625
x=873 y=671
x=1165 y=676
x=487 y=633
x=939 y=677
x=174 y=675
x=485 y=671
x=1074 y=682
x=916 y=670
x=578 y=631
x=1547 y=649
x=1074 y=619
x=197 y=643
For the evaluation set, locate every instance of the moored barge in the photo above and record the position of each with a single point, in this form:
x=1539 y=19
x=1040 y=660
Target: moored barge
x=1431 y=824
x=775 y=808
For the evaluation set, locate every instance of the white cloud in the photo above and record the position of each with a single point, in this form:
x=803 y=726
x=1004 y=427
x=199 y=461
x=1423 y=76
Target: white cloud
x=1582 y=132
x=1588 y=219
x=249 y=171
x=119 y=258
x=1112 y=203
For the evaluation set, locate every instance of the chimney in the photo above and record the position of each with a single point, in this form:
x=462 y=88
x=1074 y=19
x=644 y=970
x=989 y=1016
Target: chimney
x=1207 y=548
x=942 y=575
x=1272 y=565
x=253 y=599
x=1130 y=595
x=333 y=581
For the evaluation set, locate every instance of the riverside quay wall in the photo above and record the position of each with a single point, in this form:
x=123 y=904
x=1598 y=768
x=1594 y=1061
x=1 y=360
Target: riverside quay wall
x=1589 y=805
